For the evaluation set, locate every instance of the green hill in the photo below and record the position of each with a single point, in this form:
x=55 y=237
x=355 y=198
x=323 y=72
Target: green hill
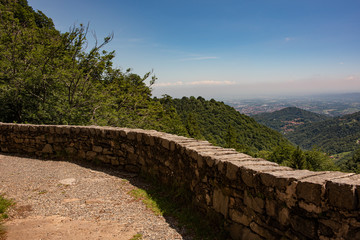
x=224 y=126
x=338 y=135
x=287 y=119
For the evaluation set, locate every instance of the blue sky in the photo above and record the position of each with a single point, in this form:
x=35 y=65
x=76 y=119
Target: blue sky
x=227 y=49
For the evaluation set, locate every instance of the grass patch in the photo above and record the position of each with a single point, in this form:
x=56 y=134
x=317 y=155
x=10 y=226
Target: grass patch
x=177 y=202
x=136 y=237
x=150 y=203
x=4 y=205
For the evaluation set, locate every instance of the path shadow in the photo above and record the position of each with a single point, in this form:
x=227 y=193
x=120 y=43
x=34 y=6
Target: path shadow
x=177 y=211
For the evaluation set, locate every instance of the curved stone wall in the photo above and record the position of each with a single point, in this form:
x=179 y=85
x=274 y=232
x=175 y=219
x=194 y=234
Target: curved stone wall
x=258 y=199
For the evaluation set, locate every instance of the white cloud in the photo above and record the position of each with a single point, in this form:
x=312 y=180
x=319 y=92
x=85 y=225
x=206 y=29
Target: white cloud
x=212 y=83
x=350 y=77
x=206 y=82
x=341 y=63
x=169 y=84
x=198 y=58
x=287 y=39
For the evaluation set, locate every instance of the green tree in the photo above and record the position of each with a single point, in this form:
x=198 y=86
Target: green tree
x=297 y=159
x=353 y=164
x=192 y=126
x=230 y=137
x=281 y=154
x=317 y=160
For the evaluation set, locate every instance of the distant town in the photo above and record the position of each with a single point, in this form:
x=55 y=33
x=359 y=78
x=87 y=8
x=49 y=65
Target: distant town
x=331 y=105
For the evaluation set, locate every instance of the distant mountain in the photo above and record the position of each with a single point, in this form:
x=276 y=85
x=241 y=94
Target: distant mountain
x=287 y=119
x=337 y=135
x=224 y=126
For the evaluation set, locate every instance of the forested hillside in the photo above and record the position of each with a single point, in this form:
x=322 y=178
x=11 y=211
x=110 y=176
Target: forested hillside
x=287 y=119
x=339 y=137
x=341 y=134
x=224 y=126
x=49 y=77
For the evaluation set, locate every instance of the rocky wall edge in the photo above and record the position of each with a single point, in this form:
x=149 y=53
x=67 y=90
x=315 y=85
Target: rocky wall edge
x=257 y=199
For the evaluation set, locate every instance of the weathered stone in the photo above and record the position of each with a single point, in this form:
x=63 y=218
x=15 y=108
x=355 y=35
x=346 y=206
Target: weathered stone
x=307 y=227
x=231 y=171
x=263 y=231
x=255 y=203
x=132 y=168
x=341 y=192
x=165 y=143
x=131 y=135
x=91 y=155
x=248 y=177
x=47 y=149
x=139 y=137
x=114 y=162
x=239 y=217
x=281 y=179
x=289 y=196
x=284 y=216
x=310 y=207
x=239 y=232
x=18 y=140
x=70 y=150
x=97 y=149
x=311 y=189
x=81 y=154
x=128 y=148
x=220 y=202
x=270 y=207
x=132 y=158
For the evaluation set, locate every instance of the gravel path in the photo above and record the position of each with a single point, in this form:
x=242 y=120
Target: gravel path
x=63 y=200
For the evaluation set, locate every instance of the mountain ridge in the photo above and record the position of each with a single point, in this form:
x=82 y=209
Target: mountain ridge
x=287 y=119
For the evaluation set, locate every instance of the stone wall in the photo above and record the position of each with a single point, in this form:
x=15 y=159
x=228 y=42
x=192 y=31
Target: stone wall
x=258 y=199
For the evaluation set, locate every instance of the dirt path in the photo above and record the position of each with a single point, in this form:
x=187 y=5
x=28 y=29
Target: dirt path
x=63 y=200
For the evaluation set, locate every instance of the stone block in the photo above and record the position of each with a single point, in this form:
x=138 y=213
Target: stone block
x=172 y=146
x=70 y=150
x=114 y=162
x=284 y=216
x=255 y=203
x=131 y=135
x=97 y=149
x=18 y=140
x=281 y=179
x=231 y=171
x=132 y=158
x=240 y=232
x=305 y=226
x=341 y=192
x=239 y=217
x=128 y=148
x=248 y=177
x=139 y=137
x=47 y=149
x=270 y=207
x=220 y=202
x=165 y=143
x=91 y=155
x=312 y=188
x=132 y=168
x=210 y=161
x=263 y=231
